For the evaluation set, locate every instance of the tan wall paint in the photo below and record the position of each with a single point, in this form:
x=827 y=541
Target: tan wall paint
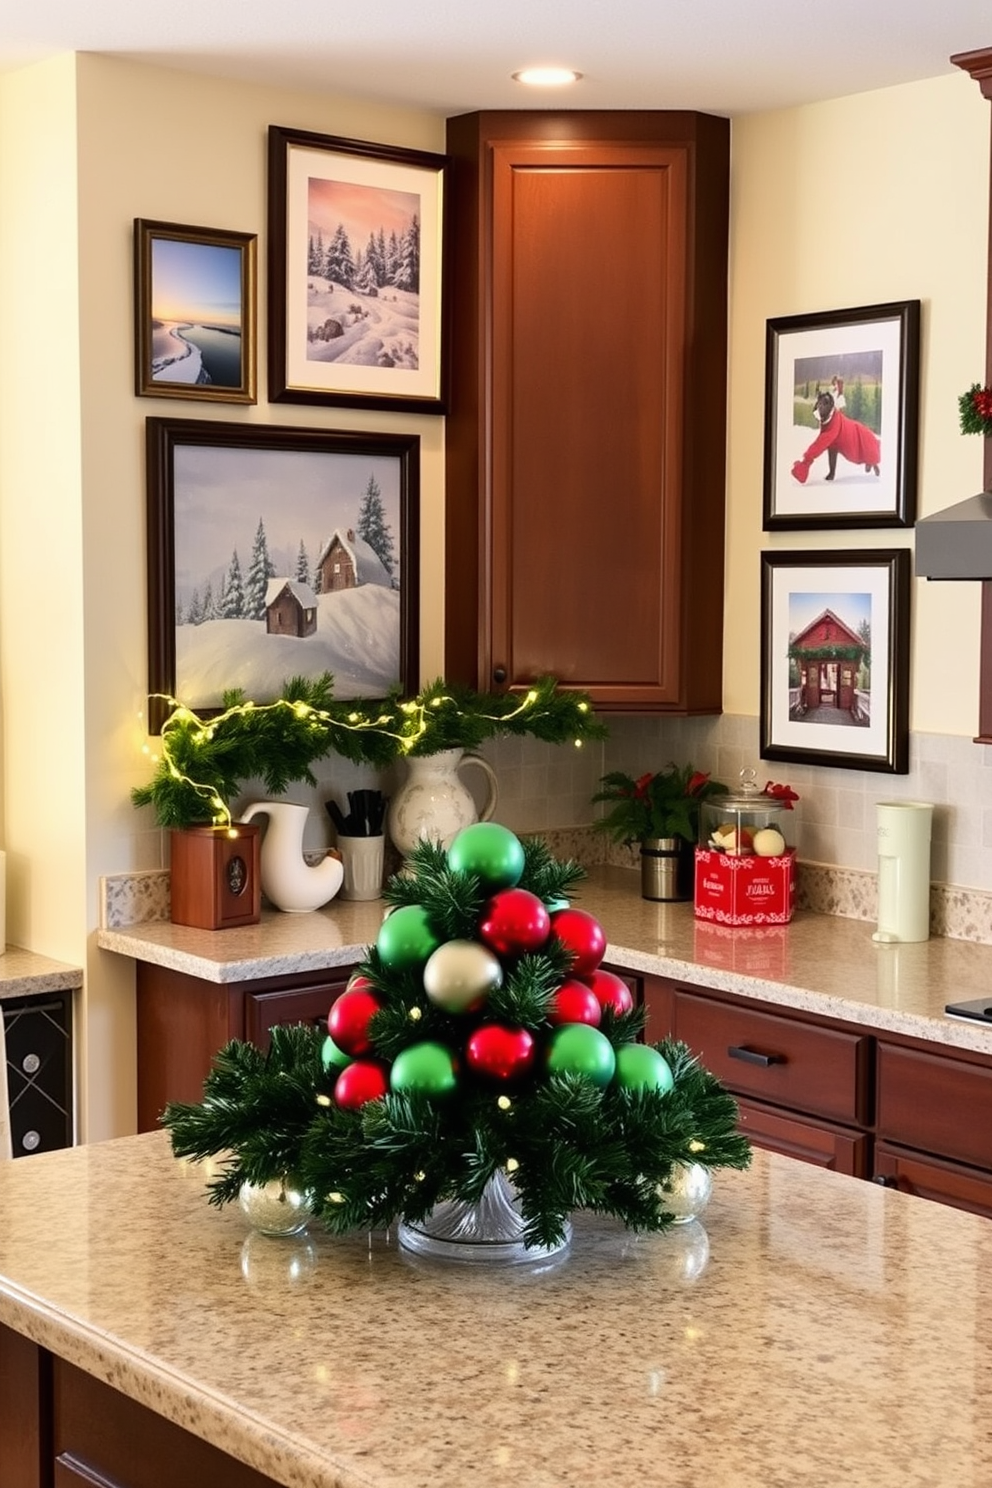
x=873 y=198
x=879 y=197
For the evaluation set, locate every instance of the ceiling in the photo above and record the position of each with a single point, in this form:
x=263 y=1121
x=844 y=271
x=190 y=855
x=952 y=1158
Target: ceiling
x=451 y=56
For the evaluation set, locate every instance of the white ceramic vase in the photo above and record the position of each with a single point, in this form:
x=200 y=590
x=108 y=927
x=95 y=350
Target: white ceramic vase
x=288 y=881
x=433 y=802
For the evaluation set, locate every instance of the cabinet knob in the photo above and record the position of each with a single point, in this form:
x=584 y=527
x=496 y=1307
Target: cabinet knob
x=884 y=1180
x=499 y=674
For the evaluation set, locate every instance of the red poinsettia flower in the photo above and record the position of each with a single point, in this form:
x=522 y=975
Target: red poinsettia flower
x=783 y=793
x=641 y=785
x=696 y=782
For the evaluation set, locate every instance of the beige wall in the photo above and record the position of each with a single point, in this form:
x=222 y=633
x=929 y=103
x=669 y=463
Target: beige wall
x=860 y=201
x=874 y=198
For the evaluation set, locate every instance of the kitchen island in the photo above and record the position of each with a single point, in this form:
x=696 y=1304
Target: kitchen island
x=817 y=1331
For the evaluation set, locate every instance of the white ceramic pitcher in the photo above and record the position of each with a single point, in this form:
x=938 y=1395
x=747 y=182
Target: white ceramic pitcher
x=288 y=880
x=433 y=803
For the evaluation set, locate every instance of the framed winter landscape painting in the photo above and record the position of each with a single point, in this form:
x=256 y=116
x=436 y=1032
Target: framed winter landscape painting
x=841 y=418
x=835 y=658
x=355 y=275
x=194 y=292
x=276 y=553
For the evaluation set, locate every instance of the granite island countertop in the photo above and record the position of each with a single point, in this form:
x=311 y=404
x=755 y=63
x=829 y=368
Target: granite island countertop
x=823 y=964
x=816 y=1331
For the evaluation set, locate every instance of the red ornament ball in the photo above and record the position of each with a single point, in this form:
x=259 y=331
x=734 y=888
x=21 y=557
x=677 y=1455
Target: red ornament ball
x=514 y=922
x=500 y=1053
x=365 y=1080
x=611 y=991
x=583 y=936
x=575 y=1002
x=349 y=1018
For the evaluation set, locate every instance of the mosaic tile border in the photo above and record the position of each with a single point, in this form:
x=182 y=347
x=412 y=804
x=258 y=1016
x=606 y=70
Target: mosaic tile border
x=955 y=913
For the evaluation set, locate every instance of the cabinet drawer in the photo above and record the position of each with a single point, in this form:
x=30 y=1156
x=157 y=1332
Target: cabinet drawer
x=929 y=1178
x=815 y=1070
x=936 y=1104
x=812 y=1141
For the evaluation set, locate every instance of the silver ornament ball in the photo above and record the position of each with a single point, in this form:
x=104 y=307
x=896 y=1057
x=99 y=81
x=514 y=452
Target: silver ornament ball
x=276 y=1207
x=687 y=1191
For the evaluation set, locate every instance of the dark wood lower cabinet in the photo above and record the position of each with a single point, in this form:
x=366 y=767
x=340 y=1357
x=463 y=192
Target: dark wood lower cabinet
x=902 y=1111
x=182 y=1021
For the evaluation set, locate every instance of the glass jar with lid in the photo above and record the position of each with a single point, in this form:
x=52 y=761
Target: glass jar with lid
x=748 y=821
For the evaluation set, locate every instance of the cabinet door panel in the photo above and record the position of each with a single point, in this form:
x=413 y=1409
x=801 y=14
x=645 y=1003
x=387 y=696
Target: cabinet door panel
x=935 y=1103
x=930 y=1178
x=780 y=1060
x=817 y=1142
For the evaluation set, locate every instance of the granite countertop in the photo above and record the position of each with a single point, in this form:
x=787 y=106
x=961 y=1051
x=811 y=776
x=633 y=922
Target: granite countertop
x=820 y=963
x=817 y=1330
x=25 y=974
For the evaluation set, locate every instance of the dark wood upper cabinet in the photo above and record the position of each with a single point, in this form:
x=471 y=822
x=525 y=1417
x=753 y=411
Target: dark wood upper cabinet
x=587 y=264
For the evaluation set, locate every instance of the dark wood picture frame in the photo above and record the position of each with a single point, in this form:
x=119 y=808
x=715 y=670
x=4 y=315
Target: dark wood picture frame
x=828 y=620
x=372 y=335
x=194 y=312
x=210 y=487
x=858 y=468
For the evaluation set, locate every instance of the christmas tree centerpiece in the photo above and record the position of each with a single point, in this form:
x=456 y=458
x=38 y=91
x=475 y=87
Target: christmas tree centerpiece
x=480 y=1041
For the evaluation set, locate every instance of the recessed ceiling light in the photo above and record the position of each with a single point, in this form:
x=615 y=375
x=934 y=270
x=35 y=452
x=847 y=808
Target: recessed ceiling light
x=546 y=77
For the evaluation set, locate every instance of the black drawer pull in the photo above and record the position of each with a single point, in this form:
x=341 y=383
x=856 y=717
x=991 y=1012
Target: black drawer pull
x=753 y=1056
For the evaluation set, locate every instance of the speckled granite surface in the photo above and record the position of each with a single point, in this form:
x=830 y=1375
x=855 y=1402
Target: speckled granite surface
x=24 y=974
x=817 y=1331
x=821 y=963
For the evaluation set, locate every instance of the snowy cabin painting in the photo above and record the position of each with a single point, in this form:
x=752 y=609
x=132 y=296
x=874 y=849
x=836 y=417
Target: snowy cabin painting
x=290 y=608
x=346 y=561
x=828 y=655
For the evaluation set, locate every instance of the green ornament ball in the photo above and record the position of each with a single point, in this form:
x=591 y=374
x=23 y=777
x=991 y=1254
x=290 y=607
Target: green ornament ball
x=460 y=975
x=331 y=1057
x=425 y=1069
x=406 y=938
x=639 y=1067
x=580 y=1049
x=489 y=851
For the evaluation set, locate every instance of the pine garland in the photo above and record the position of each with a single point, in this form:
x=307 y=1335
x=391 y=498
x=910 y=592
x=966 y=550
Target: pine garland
x=570 y=1143
x=205 y=760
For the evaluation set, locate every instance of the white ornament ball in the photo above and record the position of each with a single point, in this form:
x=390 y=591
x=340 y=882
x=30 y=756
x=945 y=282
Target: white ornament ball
x=769 y=842
x=460 y=975
x=275 y=1208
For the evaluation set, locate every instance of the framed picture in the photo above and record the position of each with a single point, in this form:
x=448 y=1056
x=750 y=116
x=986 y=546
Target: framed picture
x=355 y=281
x=835 y=658
x=276 y=553
x=194 y=293
x=842 y=395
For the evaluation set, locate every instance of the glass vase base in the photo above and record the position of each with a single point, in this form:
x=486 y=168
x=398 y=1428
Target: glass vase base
x=490 y=1232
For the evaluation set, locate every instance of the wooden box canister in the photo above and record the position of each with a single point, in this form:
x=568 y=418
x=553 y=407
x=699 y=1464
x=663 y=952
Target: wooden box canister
x=745 y=889
x=215 y=880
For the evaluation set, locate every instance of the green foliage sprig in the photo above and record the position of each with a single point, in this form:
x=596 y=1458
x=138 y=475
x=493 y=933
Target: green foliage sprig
x=204 y=761
x=660 y=804
x=571 y=1143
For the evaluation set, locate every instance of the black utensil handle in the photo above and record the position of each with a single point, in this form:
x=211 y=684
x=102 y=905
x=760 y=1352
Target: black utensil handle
x=754 y=1056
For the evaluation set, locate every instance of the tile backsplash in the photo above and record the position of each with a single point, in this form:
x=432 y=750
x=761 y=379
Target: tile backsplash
x=548 y=789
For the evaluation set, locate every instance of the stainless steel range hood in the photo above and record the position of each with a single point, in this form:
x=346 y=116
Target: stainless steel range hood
x=956 y=543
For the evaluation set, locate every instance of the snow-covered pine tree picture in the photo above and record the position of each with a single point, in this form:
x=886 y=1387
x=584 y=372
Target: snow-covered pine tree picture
x=291 y=557
x=355 y=291
x=479 y=1040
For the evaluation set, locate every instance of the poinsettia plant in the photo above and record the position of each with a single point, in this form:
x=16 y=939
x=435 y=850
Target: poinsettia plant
x=662 y=803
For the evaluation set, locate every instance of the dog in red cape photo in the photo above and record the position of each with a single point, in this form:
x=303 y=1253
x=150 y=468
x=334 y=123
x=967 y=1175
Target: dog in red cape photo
x=839 y=435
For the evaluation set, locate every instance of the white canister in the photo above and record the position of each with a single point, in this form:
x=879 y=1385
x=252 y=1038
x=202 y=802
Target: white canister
x=904 y=870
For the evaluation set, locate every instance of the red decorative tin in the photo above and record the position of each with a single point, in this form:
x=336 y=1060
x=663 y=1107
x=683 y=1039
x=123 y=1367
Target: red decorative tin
x=745 y=889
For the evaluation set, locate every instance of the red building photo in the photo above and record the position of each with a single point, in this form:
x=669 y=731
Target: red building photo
x=830 y=659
